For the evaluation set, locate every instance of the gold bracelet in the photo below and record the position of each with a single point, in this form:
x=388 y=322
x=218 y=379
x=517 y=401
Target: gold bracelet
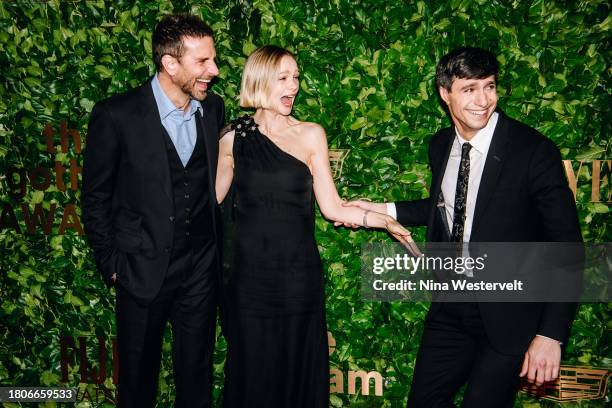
x=365 y=218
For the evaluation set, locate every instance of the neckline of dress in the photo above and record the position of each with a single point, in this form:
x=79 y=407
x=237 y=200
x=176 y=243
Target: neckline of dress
x=266 y=137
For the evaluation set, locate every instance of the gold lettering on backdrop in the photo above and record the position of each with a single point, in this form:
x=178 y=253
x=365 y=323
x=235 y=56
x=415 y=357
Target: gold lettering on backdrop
x=600 y=175
x=65 y=135
x=336 y=161
x=331 y=343
x=336 y=379
x=38 y=218
x=70 y=219
x=365 y=382
x=76 y=353
x=37 y=213
x=572 y=178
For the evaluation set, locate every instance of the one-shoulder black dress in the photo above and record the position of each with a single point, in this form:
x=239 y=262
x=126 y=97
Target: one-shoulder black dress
x=277 y=339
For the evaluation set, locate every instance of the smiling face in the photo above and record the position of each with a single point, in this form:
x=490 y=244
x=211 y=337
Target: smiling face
x=283 y=87
x=194 y=70
x=471 y=102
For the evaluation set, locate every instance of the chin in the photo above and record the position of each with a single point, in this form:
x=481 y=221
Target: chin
x=479 y=123
x=283 y=110
x=199 y=96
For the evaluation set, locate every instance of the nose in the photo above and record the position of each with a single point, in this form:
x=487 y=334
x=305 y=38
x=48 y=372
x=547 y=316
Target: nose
x=480 y=98
x=213 y=70
x=295 y=84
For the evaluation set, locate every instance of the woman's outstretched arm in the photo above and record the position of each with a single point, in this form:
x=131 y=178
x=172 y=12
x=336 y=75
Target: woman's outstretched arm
x=328 y=199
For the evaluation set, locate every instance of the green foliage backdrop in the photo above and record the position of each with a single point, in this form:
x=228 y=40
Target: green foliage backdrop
x=367 y=77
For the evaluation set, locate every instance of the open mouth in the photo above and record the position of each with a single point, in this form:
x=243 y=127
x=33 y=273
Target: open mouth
x=202 y=83
x=287 y=100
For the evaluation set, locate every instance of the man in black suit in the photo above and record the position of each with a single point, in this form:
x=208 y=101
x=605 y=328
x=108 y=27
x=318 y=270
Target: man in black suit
x=494 y=179
x=151 y=215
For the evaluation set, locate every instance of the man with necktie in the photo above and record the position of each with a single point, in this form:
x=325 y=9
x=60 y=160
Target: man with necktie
x=151 y=214
x=494 y=179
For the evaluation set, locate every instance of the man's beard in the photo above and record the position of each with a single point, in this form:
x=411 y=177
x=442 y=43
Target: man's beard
x=189 y=89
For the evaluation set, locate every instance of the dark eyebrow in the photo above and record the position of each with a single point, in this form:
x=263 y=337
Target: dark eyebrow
x=471 y=84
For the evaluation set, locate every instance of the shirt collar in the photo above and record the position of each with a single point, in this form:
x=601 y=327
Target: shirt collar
x=482 y=139
x=165 y=105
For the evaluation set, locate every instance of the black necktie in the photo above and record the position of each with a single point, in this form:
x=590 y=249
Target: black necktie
x=461 y=194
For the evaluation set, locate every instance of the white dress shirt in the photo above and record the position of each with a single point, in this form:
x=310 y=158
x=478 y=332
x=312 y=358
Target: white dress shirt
x=478 y=155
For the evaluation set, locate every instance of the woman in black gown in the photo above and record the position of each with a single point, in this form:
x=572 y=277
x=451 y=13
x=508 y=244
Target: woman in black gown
x=275 y=327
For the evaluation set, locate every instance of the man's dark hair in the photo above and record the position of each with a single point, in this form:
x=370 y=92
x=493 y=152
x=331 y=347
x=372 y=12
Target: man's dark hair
x=465 y=62
x=170 y=31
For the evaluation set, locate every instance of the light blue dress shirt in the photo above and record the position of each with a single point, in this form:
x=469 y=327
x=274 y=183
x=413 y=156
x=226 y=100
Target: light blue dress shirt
x=180 y=125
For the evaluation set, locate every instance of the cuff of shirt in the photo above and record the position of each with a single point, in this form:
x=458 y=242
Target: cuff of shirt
x=391 y=210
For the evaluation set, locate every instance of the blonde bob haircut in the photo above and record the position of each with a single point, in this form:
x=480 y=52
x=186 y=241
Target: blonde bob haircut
x=260 y=70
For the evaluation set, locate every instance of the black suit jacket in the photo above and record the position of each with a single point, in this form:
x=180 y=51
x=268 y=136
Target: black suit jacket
x=127 y=197
x=523 y=197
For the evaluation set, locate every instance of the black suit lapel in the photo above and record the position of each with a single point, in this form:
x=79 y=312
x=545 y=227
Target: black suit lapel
x=492 y=168
x=436 y=188
x=212 y=148
x=153 y=129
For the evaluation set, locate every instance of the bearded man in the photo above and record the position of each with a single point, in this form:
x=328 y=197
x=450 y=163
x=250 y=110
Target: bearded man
x=150 y=213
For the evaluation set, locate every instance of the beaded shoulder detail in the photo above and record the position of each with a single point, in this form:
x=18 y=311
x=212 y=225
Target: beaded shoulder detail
x=244 y=125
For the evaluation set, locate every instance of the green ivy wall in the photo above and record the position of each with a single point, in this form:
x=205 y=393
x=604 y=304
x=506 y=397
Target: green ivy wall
x=367 y=75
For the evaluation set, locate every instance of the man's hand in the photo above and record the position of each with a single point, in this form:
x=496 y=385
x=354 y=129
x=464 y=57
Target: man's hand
x=114 y=277
x=542 y=360
x=364 y=205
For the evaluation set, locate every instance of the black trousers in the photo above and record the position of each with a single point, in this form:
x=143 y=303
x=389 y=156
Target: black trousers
x=454 y=351
x=187 y=299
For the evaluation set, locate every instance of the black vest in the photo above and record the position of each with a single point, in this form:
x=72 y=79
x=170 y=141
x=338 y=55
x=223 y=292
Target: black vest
x=192 y=217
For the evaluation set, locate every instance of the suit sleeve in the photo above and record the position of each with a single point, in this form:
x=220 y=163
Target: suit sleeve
x=554 y=203
x=101 y=158
x=416 y=212
x=552 y=197
x=413 y=213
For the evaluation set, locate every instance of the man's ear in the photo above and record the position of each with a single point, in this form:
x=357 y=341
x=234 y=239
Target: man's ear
x=170 y=64
x=443 y=94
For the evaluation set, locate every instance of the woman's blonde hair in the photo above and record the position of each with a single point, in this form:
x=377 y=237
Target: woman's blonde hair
x=259 y=71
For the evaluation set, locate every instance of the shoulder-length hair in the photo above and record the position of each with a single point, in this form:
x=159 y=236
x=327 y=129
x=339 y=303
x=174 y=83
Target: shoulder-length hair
x=259 y=71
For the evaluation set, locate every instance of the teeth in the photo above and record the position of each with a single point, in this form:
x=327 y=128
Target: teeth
x=203 y=80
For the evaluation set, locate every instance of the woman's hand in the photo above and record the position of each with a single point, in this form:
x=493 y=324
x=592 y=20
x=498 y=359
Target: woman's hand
x=403 y=236
x=365 y=205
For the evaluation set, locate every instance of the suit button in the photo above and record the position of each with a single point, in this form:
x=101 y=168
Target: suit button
x=166 y=249
x=185 y=183
x=187 y=221
x=187 y=196
x=187 y=233
x=187 y=209
x=171 y=218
